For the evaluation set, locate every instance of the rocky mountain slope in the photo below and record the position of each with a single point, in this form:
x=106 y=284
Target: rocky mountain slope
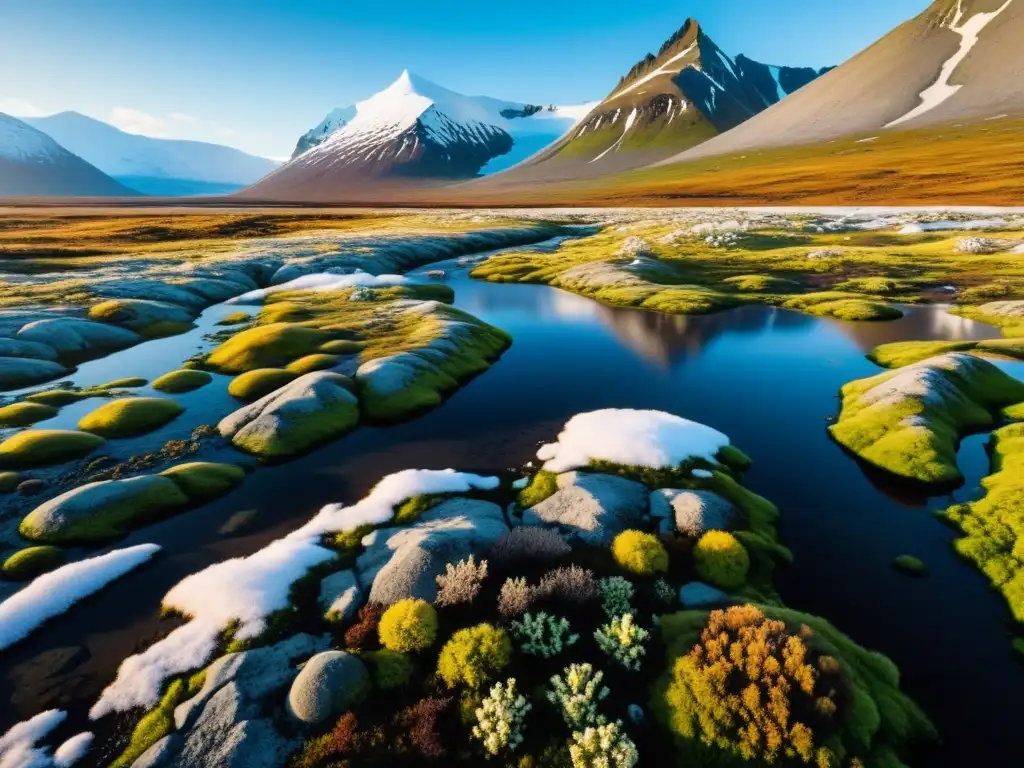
x=33 y=164
x=958 y=60
x=688 y=93
x=154 y=166
x=415 y=129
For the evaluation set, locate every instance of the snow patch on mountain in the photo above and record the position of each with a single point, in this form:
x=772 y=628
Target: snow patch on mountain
x=22 y=142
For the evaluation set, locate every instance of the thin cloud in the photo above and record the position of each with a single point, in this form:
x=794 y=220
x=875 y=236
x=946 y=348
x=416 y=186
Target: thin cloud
x=12 y=105
x=135 y=121
x=181 y=117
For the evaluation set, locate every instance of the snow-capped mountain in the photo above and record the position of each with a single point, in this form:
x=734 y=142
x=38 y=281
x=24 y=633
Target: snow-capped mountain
x=686 y=94
x=959 y=60
x=416 y=129
x=33 y=164
x=154 y=166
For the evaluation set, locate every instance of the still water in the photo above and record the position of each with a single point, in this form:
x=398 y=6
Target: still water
x=766 y=377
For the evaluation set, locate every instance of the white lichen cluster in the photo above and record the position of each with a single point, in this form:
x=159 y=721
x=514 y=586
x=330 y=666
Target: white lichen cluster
x=603 y=746
x=577 y=693
x=501 y=717
x=978 y=245
x=543 y=635
x=623 y=640
x=634 y=246
x=825 y=253
x=616 y=592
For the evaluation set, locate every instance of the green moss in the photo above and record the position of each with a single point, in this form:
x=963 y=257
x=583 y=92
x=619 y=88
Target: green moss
x=1014 y=411
x=1012 y=325
x=341 y=347
x=9 y=481
x=542 y=485
x=130 y=417
x=30 y=562
x=130 y=382
x=66 y=395
x=352 y=540
x=761 y=284
x=315 y=362
x=993 y=526
x=409 y=511
x=38 y=447
x=102 y=511
x=900 y=353
x=872 y=285
x=235 y=318
x=153 y=726
x=184 y=380
x=165 y=328
x=910 y=565
x=23 y=414
x=916 y=436
x=265 y=346
x=860 y=310
x=391 y=669
x=203 y=480
x=253 y=385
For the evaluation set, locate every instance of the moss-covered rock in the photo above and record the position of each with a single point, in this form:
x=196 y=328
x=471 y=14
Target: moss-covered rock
x=74 y=335
x=30 y=562
x=444 y=347
x=252 y=385
x=341 y=347
x=910 y=565
x=1008 y=315
x=761 y=284
x=859 y=310
x=203 y=480
x=38 y=447
x=265 y=346
x=235 y=318
x=909 y=421
x=993 y=526
x=23 y=414
x=310 y=363
x=295 y=418
x=183 y=380
x=130 y=417
x=142 y=315
x=102 y=511
x=9 y=481
x=900 y=353
x=16 y=372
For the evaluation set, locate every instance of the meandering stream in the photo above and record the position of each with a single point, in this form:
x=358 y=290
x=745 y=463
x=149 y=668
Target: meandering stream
x=767 y=377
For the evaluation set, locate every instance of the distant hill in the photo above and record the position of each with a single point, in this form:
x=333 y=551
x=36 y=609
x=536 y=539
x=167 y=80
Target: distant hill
x=958 y=60
x=413 y=130
x=32 y=165
x=154 y=166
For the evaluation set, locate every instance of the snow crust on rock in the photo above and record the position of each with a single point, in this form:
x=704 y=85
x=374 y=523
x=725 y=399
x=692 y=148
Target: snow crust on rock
x=622 y=436
x=323 y=281
x=247 y=589
x=18 y=746
x=53 y=593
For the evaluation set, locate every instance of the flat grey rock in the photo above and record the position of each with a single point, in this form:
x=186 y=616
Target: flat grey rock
x=18 y=372
x=404 y=562
x=341 y=596
x=328 y=684
x=20 y=348
x=592 y=507
x=697 y=594
x=692 y=513
x=73 y=334
x=161 y=754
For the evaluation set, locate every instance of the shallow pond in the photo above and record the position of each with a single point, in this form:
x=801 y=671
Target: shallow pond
x=766 y=377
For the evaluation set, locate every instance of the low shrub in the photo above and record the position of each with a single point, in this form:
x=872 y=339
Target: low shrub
x=474 y=655
x=501 y=719
x=623 y=641
x=543 y=635
x=640 y=553
x=421 y=722
x=516 y=597
x=616 y=593
x=721 y=559
x=390 y=669
x=603 y=746
x=323 y=750
x=571 y=584
x=461 y=583
x=363 y=633
x=408 y=625
x=528 y=543
x=576 y=693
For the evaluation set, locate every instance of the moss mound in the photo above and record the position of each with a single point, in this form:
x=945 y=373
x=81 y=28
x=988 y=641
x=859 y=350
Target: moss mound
x=265 y=346
x=184 y=380
x=310 y=363
x=910 y=565
x=408 y=625
x=98 y=512
x=130 y=417
x=909 y=421
x=30 y=562
x=640 y=553
x=130 y=382
x=721 y=559
x=38 y=447
x=900 y=353
x=761 y=284
x=854 y=310
x=341 y=347
x=23 y=414
x=255 y=384
x=235 y=318
x=772 y=686
x=65 y=396
x=9 y=481
x=203 y=480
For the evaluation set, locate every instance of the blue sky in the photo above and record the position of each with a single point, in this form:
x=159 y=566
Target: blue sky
x=256 y=74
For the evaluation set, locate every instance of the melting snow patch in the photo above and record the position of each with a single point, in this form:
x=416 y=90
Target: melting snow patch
x=72 y=750
x=245 y=590
x=323 y=281
x=868 y=139
x=18 y=746
x=637 y=438
x=918 y=227
x=53 y=593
